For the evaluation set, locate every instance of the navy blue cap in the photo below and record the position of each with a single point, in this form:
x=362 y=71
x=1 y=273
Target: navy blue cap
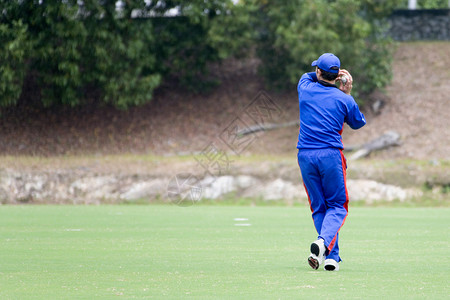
x=328 y=62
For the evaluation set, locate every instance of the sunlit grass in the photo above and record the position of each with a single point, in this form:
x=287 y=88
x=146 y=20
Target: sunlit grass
x=218 y=252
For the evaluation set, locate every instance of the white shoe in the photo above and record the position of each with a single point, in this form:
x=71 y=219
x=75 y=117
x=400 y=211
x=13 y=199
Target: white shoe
x=317 y=254
x=331 y=265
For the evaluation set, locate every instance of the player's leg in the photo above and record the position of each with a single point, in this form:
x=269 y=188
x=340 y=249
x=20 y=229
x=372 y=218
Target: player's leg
x=318 y=209
x=312 y=182
x=313 y=186
x=332 y=222
x=333 y=169
x=334 y=253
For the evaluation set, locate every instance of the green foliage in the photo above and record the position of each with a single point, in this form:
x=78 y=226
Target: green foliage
x=91 y=51
x=232 y=34
x=56 y=56
x=183 y=51
x=188 y=42
x=118 y=62
x=74 y=53
x=14 y=48
x=291 y=34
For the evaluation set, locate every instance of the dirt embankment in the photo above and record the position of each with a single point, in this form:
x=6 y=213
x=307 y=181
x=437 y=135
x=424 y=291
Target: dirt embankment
x=417 y=106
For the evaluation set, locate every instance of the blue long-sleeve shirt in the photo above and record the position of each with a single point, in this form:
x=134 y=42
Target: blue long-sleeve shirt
x=323 y=111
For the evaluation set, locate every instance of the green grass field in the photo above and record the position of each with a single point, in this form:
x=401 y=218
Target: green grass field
x=218 y=252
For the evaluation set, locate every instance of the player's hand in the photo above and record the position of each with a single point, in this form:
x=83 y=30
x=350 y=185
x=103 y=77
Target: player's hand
x=347 y=87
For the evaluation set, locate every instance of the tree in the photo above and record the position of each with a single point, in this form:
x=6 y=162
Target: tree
x=119 y=64
x=79 y=51
x=185 y=45
x=76 y=51
x=289 y=35
x=15 y=46
x=73 y=52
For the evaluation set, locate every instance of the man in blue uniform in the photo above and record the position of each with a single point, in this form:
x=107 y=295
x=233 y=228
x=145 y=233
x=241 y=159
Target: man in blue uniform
x=324 y=108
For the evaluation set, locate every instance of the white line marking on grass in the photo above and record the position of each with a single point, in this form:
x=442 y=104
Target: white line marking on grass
x=240 y=219
x=243 y=224
x=73 y=229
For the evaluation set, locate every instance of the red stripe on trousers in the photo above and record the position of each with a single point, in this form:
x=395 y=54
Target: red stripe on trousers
x=309 y=199
x=344 y=170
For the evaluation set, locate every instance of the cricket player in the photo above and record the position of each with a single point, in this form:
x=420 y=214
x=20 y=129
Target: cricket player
x=324 y=108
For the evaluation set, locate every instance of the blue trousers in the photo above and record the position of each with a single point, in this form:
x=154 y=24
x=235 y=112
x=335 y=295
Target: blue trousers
x=324 y=178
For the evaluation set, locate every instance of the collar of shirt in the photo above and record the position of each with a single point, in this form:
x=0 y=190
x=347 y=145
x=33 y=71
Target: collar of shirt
x=324 y=83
